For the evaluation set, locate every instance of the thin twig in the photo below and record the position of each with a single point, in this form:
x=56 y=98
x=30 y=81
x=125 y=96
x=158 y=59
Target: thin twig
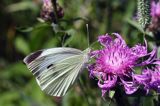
x=54 y=3
x=84 y=93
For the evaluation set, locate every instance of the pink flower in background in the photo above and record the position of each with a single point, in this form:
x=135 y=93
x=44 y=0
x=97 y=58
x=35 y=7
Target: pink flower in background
x=49 y=14
x=115 y=62
x=47 y=10
x=155 y=10
x=155 y=14
x=47 y=3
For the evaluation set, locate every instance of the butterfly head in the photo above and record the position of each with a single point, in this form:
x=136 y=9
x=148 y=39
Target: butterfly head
x=87 y=51
x=87 y=54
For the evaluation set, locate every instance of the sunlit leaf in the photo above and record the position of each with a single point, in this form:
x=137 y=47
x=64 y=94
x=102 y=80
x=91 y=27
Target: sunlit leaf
x=23 y=5
x=14 y=70
x=22 y=45
x=135 y=24
x=8 y=98
x=51 y=43
x=111 y=94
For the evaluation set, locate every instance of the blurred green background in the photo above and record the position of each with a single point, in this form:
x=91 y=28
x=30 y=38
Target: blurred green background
x=21 y=33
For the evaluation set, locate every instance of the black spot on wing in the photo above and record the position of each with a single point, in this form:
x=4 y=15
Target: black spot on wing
x=49 y=66
x=32 y=57
x=37 y=73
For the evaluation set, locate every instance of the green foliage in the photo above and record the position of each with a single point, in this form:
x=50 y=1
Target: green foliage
x=24 y=32
x=21 y=6
x=21 y=45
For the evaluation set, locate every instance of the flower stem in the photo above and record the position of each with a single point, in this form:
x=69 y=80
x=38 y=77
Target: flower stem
x=54 y=3
x=80 y=82
x=121 y=100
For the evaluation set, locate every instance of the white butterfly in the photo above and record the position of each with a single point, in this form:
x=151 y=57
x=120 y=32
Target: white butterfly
x=56 y=69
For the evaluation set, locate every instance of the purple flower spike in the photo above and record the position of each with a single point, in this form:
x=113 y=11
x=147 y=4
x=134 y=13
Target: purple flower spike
x=116 y=61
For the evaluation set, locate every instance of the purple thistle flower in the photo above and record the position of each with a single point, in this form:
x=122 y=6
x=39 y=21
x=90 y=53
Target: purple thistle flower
x=150 y=79
x=115 y=62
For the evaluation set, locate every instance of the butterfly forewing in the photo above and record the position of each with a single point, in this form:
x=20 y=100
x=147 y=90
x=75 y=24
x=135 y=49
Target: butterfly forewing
x=56 y=69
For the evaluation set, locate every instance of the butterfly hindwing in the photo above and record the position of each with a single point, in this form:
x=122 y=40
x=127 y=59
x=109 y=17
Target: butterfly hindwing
x=56 y=69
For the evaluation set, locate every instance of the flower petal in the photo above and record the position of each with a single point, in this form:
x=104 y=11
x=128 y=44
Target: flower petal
x=147 y=59
x=108 y=84
x=105 y=39
x=139 y=50
x=119 y=40
x=129 y=86
x=144 y=78
x=155 y=85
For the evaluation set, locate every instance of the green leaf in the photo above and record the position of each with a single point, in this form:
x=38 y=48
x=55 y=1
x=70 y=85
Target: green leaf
x=39 y=35
x=70 y=32
x=111 y=94
x=22 y=45
x=135 y=24
x=37 y=95
x=29 y=29
x=148 y=101
x=8 y=98
x=20 y=6
x=53 y=42
x=14 y=70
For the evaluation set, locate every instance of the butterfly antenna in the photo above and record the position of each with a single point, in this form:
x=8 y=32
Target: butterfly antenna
x=87 y=34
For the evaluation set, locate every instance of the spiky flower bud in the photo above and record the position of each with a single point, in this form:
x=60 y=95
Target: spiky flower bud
x=47 y=10
x=144 y=13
